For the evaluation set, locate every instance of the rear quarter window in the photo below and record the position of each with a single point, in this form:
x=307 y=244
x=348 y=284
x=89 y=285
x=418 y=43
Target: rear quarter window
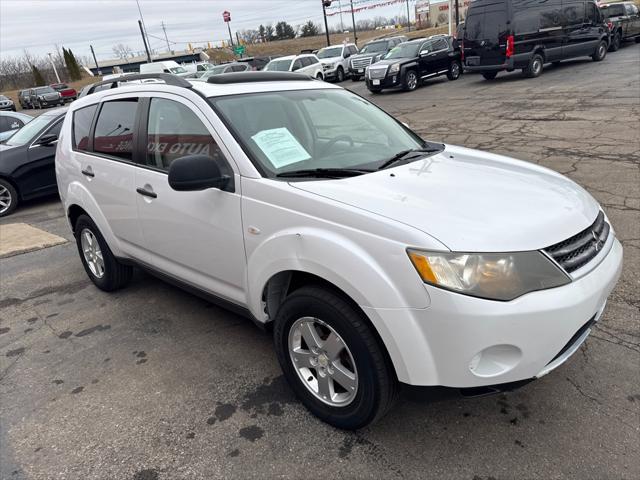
x=82 y=120
x=114 y=128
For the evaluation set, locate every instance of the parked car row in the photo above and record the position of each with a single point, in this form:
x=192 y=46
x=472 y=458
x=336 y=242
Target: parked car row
x=56 y=94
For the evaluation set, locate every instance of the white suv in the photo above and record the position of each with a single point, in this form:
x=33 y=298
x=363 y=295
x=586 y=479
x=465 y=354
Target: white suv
x=335 y=60
x=307 y=64
x=377 y=258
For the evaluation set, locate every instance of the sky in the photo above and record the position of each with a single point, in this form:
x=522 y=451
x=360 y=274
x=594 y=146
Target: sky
x=38 y=25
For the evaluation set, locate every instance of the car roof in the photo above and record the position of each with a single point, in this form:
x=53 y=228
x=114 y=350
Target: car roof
x=56 y=112
x=16 y=114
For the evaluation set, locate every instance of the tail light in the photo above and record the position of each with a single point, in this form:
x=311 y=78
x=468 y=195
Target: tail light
x=610 y=25
x=462 y=50
x=510 y=46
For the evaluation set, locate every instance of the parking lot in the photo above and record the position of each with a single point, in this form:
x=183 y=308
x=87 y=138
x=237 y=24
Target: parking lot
x=154 y=383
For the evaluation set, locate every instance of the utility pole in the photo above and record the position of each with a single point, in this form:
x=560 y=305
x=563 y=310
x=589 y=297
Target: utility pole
x=340 y=8
x=325 y=4
x=95 y=60
x=144 y=27
x=230 y=36
x=144 y=40
x=353 y=19
x=408 y=18
x=164 y=29
x=457 y=14
x=54 y=67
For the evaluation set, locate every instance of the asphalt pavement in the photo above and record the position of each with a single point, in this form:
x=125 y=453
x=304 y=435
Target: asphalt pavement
x=153 y=383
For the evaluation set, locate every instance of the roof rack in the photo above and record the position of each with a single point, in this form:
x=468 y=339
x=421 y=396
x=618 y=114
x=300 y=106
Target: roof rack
x=167 y=78
x=250 y=77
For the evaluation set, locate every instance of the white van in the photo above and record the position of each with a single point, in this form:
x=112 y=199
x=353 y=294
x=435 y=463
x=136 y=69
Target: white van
x=168 y=66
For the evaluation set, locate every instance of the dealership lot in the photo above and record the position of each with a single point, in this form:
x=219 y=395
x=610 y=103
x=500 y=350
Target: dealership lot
x=152 y=382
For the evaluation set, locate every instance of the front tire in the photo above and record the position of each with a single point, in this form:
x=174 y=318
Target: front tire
x=455 y=69
x=615 y=42
x=8 y=198
x=332 y=359
x=601 y=52
x=535 y=67
x=320 y=76
x=103 y=268
x=340 y=75
x=410 y=81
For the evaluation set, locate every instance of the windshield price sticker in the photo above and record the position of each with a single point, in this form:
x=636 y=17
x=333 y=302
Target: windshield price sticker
x=280 y=147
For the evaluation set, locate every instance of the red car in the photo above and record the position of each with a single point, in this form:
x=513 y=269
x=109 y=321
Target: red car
x=68 y=94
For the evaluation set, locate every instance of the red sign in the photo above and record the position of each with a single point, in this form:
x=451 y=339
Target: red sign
x=226 y=16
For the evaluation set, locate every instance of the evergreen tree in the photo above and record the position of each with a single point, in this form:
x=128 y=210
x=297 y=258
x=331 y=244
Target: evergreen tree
x=72 y=66
x=38 y=79
x=309 y=29
x=262 y=32
x=284 y=31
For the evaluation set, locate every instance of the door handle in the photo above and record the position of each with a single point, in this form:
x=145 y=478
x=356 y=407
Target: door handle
x=146 y=193
x=88 y=172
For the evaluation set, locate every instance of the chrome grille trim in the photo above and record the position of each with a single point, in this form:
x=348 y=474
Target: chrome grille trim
x=361 y=62
x=577 y=251
x=377 y=72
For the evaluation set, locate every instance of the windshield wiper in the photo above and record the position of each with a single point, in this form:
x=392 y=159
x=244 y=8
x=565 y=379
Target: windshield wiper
x=324 y=173
x=403 y=155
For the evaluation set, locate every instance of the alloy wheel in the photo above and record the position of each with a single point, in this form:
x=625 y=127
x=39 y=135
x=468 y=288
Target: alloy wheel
x=455 y=70
x=5 y=199
x=323 y=361
x=412 y=80
x=92 y=253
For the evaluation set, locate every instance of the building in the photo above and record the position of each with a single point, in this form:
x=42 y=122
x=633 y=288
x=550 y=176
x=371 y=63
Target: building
x=132 y=64
x=436 y=13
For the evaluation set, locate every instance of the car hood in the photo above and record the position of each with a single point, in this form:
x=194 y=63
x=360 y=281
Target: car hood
x=391 y=61
x=330 y=60
x=471 y=201
x=4 y=147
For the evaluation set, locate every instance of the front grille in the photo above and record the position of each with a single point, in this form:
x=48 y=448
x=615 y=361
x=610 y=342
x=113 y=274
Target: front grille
x=361 y=62
x=375 y=73
x=575 y=252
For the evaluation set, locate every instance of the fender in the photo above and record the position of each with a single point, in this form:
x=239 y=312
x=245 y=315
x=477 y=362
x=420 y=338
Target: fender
x=78 y=194
x=323 y=253
x=404 y=67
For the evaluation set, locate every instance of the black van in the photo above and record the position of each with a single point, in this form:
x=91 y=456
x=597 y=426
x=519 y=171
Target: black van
x=526 y=34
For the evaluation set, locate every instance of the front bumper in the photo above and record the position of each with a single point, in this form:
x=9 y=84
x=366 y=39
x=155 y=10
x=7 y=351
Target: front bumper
x=8 y=107
x=49 y=103
x=390 y=81
x=461 y=341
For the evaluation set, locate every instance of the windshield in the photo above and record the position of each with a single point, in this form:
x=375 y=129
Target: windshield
x=309 y=129
x=177 y=70
x=404 y=50
x=2 y=97
x=374 y=47
x=29 y=131
x=330 y=52
x=41 y=90
x=613 y=11
x=278 y=66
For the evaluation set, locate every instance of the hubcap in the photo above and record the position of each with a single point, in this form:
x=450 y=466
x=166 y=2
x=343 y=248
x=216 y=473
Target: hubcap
x=323 y=361
x=536 y=66
x=5 y=199
x=92 y=253
x=412 y=80
x=455 y=69
x=602 y=50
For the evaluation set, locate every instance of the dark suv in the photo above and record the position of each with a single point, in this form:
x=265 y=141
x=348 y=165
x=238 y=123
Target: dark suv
x=410 y=63
x=371 y=53
x=623 y=20
x=526 y=34
x=24 y=99
x=41 y=97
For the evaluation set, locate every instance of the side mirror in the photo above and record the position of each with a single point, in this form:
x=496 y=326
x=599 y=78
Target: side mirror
x=347 y=54
x=296 y=67
x=198 y=172
x=424 y=52
x=48 y=139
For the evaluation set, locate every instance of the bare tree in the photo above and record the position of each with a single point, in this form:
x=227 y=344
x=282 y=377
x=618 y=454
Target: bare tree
x=122 y=51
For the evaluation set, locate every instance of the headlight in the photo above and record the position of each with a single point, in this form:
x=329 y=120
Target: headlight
x=495 y=276
x=395 y=68
x=40 y=97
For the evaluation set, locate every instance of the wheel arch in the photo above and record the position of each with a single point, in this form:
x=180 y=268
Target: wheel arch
x=13 y=184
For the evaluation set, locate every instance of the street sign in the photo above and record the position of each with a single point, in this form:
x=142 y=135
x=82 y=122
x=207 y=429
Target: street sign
x=226 y=16
x=239 y=49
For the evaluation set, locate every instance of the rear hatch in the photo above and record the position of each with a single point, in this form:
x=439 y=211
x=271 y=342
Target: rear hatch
x=485 y=32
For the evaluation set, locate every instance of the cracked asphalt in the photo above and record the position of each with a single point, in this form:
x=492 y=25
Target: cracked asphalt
x=153 y=383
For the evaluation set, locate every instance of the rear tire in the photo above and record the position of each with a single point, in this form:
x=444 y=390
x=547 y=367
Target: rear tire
x=535 y=67
x=359 y=382
x=455 y=70
x=615 y=42
x=489 y=75
x=601 y=52
x=102 y=267
x=8 y=198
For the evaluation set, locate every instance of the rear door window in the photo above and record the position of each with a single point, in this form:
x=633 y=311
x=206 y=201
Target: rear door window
x=486 y=20
x=114 y=128
x=573 y=12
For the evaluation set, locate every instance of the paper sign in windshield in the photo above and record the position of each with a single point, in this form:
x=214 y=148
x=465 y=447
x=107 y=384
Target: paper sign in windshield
x=280 y=147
